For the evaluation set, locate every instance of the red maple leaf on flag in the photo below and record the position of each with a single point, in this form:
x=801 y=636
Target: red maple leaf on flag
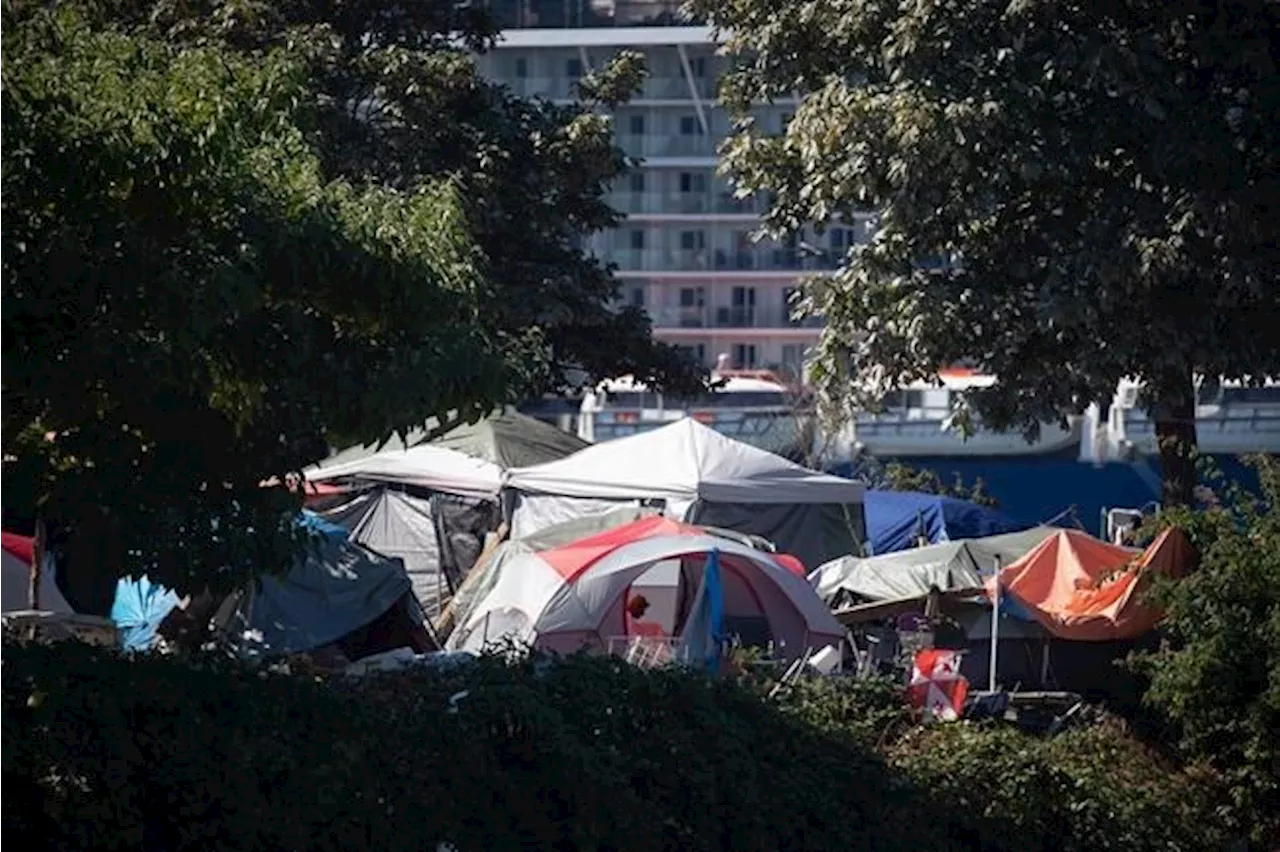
x=936 y=686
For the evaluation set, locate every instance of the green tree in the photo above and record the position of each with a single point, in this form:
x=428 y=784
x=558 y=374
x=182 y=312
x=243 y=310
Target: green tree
x=204 y=283
x=1217 y=675
x=396 y=99
x=1070 y=194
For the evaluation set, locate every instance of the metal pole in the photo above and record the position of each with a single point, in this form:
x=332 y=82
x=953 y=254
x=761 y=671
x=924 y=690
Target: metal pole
x=995 y=628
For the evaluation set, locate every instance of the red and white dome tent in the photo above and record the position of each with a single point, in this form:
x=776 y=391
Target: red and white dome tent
x=19 y=553
x=579 y=595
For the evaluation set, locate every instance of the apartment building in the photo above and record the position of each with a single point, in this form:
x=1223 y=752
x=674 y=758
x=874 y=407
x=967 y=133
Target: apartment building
x=685 y=252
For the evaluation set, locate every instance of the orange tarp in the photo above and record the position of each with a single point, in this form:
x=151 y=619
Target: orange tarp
x=1084 y=589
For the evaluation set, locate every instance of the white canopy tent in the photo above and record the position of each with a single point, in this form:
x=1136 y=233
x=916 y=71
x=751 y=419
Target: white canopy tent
x=424 y=466
x=427 y=505
x=700 y=476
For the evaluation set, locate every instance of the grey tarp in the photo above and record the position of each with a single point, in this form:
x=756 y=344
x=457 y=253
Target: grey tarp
x=507 y=439
x=438 y=536
x=511 y=439
x=339 y=587
x=948 y=566
x=811 y=532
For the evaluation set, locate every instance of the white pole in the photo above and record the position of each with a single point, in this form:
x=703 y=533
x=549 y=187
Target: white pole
x=995 y=628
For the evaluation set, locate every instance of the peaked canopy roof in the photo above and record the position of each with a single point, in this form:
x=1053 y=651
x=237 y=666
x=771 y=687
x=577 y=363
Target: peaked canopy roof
x=425 y=466
x=684 y=460
x=505 y=438
x=511 y=439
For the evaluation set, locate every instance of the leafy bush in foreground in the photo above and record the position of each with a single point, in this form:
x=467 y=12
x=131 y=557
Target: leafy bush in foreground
x=578 y=754
x=1216 y=678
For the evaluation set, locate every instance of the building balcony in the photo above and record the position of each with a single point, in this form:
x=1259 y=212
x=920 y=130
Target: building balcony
x=720 y=260
x=686 y=203
x=541 y=14
x=730 y=317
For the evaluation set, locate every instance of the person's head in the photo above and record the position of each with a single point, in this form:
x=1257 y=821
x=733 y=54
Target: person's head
x=638 y=606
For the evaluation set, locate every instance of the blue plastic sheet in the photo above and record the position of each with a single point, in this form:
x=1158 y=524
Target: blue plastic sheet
x=897 y=519
x=138 y=609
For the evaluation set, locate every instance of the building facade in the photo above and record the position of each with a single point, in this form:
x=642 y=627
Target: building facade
x=685 y=252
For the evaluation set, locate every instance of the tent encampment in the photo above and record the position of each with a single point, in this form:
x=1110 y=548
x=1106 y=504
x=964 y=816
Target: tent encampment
x=18 y=554
x=1085 y=589
x=578 y=595
x=338 y=588
x=695 y=474
x=897 y=520
x=950 y=566
x=432 y=504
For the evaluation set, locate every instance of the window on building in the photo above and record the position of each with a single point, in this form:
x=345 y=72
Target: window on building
x=693 y=182
x=636 y=124
x=785 y=122
x=522 y=67
x=744 y=355
x=793 y=358
x=573 y=68
x=637 y=239
x=698 y=65
x=696 y=352
x=636 y=179
x=693 y=240
x=689 y=126
x=635 y=297
x=843 y=239
x=692 y=297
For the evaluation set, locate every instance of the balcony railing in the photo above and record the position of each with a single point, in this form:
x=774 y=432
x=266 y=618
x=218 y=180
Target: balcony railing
x=729 y=316
x=720 y=260
x=528 y=14
x=685 y=203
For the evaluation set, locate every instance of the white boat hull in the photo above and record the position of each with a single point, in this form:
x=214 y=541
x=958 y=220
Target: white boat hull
x=1218 y=431
x=892 y=437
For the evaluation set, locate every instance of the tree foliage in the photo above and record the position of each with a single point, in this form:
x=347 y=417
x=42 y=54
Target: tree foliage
x=1071 y=193
x=238 y=232
x=1217 y=675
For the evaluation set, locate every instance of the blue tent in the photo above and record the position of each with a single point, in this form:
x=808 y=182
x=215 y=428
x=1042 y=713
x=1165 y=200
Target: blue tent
x=138 y=609
x=897 y=519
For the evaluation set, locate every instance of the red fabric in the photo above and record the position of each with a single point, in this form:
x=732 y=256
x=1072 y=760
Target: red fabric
x=937 y=687
x=1084 y=589
x=20 y=546
x=572 y=559
x=791 y=563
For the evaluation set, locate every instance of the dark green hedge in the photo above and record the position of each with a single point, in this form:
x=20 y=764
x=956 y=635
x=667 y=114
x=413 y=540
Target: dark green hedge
x=585 y=754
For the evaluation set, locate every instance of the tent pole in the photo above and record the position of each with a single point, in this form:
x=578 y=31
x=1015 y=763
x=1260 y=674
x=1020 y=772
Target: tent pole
x=37 y=563
x=1044 y=664
x=995 y=628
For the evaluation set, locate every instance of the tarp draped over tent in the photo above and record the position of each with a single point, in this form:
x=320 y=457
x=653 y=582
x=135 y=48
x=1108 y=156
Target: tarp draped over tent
x=702 y=477
x=504 y=439
x=338 y=587
x=1084 y=589
x=424 y=466
x=949 y=566
x=896 y=520
x=18 y=552
x=572 y=596
x=511 y=440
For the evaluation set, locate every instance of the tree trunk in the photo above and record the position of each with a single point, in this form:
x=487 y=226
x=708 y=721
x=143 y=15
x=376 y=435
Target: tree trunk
x=37 y=564
x=1175 y=421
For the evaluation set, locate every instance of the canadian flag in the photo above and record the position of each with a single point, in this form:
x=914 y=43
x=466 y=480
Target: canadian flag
x=936 y=686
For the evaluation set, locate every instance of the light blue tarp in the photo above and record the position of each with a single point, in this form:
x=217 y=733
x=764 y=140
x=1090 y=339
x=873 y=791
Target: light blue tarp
x=138 y=609
x=704 y=633
x=896 y=519
x=338 y=587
